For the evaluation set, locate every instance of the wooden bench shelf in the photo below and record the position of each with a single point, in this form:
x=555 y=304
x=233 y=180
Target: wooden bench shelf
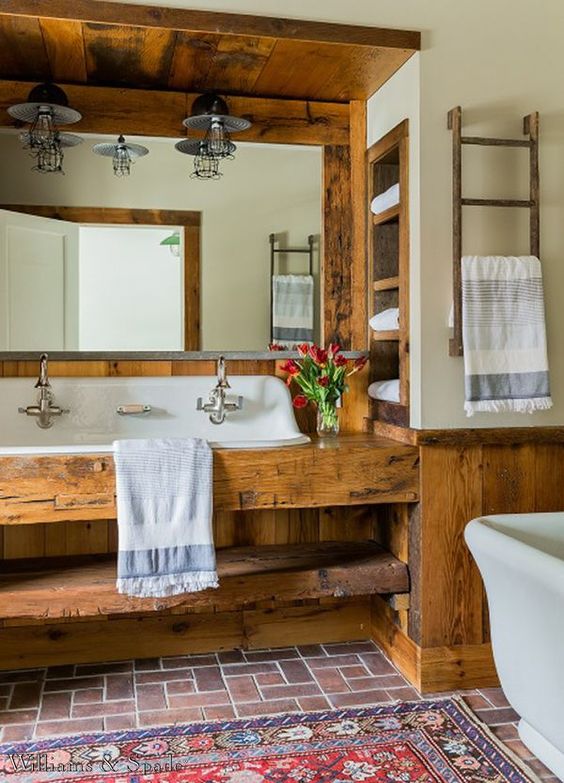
x=392 y=334
x=84 y=587
x=387 y=216
x=386 y=284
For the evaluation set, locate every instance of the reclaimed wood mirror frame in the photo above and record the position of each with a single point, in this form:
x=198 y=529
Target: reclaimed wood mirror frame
x=332 y=116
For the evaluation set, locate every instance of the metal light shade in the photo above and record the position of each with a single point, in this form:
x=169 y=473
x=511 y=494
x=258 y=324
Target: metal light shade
x=123 y=154
x=51 y=100
x=173 y=243
x=211 y=106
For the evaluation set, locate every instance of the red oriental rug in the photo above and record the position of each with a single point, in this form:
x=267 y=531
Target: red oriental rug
x=416 y=742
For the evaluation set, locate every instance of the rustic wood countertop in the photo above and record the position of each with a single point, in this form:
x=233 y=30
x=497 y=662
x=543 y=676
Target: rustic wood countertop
x=351 y=469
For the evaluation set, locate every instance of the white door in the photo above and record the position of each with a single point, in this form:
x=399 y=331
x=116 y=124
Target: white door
x=38 y=283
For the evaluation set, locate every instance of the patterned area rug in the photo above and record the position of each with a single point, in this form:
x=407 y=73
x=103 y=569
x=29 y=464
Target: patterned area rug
x=423 y=742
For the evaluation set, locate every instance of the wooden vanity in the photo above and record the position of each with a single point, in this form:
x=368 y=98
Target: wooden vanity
x=307 y=576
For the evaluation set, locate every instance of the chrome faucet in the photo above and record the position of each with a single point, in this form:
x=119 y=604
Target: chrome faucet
x=217 y=405
x=44 y=409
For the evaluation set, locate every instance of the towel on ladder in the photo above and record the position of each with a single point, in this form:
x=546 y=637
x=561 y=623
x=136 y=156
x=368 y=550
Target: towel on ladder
x=292 y=309
x=164 y=508
x=503 y=334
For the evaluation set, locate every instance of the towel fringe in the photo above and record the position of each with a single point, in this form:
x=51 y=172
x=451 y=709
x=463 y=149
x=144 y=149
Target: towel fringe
x=166 y=585
x=508 y=406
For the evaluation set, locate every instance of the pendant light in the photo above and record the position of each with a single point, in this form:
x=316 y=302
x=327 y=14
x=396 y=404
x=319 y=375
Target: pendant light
x=210 y=114
x=122 y=153
x=173 y=243
x=46 y=108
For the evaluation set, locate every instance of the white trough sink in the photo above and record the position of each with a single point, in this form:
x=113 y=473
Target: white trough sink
x=266 y=420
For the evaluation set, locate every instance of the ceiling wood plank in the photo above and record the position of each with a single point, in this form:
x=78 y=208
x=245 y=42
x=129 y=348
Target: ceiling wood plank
x=192 y=59
x=212 y=22
x=238 y=63
x=22 y=49
x=115 y=110
x=64 y=44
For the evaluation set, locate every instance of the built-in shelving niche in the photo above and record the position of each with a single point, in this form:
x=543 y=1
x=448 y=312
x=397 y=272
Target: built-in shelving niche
x=388 y=248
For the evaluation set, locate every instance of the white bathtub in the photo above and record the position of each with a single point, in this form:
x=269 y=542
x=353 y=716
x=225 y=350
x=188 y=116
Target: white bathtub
x=521 y=559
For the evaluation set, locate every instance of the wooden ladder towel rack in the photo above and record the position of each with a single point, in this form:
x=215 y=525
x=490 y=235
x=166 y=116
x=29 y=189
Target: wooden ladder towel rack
x=530 y=129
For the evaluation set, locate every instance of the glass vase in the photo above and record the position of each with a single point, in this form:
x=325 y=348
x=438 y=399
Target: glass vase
x=327 y=420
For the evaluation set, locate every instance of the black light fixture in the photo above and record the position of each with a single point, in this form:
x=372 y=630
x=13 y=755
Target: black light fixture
x=122 y=153
x=46 y=108
x=210 y=113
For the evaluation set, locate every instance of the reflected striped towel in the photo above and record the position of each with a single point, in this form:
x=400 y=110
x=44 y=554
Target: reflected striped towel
x=164 y=505
x=292 y=309
x=503 y=332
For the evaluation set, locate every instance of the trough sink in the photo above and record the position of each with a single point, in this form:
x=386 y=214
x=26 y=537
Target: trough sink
x=266 y=420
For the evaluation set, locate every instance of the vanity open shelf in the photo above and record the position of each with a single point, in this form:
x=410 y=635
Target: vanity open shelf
x=85 y=587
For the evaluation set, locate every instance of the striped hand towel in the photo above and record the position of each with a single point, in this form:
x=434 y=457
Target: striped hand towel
x=504 y=337
x=292 y=309
x=164 y=505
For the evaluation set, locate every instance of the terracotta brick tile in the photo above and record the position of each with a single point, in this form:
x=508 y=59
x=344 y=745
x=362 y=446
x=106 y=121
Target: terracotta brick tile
x=180 y=686
x=151 y=697
x=295 y=671
x=333 y=661
x=267 y=707
x=6 y=689
x=505 y=731
x=242 y=688
x=250 y=668
x=31 y=675
x=354 y=672
x=56 y=706
x=116 y=667
x=407 y=693
x=189 y=661
x=498 y=715
x=147 y=664
x=495 y=696
x=375 y=683
x=210 y=699
x=208 y=678
x=293 y=691
x=231 y=656
x=26 y=694
x=314 y=703
x=282 y=654
x=269 y=678
x=88 y=696
x=538 y=767
x=350 y=648
x=51 y=728
x=74 y=683
x=359 y=698
x=311 y=650
x=9 y=717
x=476 y=701
x=119 y=686
x=3 y=703
x=220 y=712
x=164 y=717
x=331 y=681
x=105 y=708
x=377 y=664
x=18 y=732
x=141 y=678
x=60 y=672
x=519 y=748
x=119 y=722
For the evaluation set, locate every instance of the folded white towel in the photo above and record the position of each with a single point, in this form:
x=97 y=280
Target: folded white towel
x=164 y=505
x=389 y=198
x=386 y=321
x=388 y=391
x=503 y=334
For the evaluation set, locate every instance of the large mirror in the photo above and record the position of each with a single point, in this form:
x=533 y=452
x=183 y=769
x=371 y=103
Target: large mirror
x=158 y=261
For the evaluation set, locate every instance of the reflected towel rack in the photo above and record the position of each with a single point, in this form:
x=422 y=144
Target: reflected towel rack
x=530 y=129
x=274 y=250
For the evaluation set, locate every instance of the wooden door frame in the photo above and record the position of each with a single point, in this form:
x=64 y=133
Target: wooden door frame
x=190 y=221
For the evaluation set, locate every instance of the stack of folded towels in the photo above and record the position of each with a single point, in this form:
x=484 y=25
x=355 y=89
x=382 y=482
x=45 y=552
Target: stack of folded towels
x=386 y=321
x=387 y=391
x=385 y=200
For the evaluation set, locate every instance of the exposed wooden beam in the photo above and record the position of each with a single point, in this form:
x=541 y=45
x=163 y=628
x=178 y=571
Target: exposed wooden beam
x=117 y=110
x=98 y=11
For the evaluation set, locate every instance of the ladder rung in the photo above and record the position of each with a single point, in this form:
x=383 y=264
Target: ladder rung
x=487 y=142
x=496 y=202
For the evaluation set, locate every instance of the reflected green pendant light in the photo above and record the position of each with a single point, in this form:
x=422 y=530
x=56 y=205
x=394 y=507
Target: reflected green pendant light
x=173 y=243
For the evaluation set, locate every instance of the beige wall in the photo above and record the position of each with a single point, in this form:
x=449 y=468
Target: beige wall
x=499 y=60
x=266 y=189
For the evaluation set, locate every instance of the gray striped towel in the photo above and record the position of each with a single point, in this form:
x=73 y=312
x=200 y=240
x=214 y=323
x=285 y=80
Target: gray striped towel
x=504 y=335
x=164 y=505
x=292 y=309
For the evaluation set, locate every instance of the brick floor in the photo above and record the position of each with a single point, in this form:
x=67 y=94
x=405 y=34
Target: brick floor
x=39 y=703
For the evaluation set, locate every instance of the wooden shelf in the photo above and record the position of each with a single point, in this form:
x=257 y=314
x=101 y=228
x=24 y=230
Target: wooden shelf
x=386 y=284
x=84 y=587
x=382 y=336
x=388 y=216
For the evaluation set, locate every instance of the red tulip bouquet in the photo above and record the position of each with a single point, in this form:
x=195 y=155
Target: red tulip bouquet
x=322 y=377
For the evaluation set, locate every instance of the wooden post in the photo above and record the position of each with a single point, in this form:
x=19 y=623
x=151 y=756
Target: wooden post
x=531 y=127
x=454 y=124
